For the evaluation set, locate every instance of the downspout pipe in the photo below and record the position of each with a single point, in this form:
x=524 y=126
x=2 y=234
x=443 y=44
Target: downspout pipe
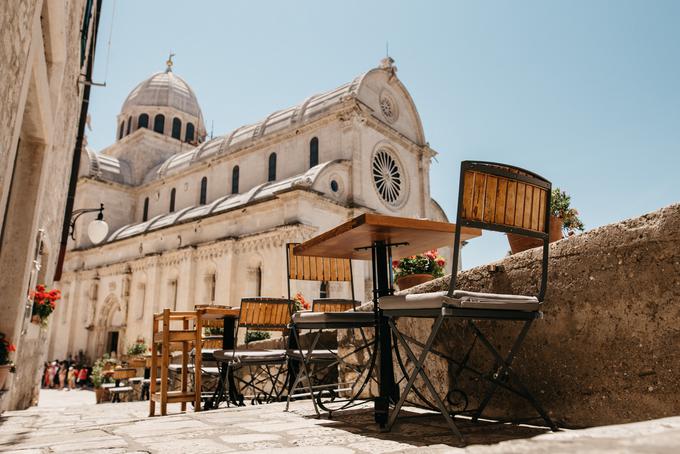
x=75 y=163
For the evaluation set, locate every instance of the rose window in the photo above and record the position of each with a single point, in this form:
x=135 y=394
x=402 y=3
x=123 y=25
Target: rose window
x=387 y=177
x=387 y=108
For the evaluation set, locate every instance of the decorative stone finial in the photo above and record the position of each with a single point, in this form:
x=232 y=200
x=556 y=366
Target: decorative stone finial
x=169 y=63
x=387 y=63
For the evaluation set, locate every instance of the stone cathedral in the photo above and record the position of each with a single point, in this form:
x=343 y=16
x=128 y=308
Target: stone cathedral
x=197 y=221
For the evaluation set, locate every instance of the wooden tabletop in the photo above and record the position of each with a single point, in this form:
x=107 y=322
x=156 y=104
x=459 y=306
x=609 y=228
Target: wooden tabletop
x=207 y=312
x=345 y=240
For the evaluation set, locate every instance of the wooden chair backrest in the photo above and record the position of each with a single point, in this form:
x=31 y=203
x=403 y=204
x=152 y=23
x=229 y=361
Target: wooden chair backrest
x=504 y=198
x=317 y=268
x=268 y=314
x=331 y=305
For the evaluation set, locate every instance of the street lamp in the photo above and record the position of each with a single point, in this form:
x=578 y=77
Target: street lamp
x=97 y=229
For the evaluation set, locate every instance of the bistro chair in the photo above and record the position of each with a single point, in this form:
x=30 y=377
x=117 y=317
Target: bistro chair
x=326 y=314
x=266 y=314
x=495 y=197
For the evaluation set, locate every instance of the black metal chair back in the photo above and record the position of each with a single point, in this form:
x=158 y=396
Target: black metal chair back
x=503 y=198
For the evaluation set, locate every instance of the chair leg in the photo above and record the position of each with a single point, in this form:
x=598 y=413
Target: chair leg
x=505 y=368
x=419 y=369
x=305 y=365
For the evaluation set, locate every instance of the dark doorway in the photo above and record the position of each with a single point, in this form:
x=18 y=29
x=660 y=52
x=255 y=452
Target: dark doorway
x=112 y=342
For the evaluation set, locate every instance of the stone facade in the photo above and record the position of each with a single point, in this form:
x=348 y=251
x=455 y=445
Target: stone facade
x=40 y=50
x=606 y=350
x=197 y=221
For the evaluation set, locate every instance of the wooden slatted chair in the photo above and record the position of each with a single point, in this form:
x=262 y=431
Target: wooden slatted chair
x=327 y=314
x=167 y=337
x=266 y=314
x=495 y=197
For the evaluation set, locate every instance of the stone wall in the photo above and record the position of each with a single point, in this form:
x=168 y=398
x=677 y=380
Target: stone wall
x=606 y=351
x=41 y=100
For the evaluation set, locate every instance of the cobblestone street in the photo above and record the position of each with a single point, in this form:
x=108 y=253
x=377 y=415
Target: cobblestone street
x=70 y=422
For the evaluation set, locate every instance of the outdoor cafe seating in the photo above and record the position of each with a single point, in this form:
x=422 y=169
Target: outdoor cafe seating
x=494 y=197
x=327 y=314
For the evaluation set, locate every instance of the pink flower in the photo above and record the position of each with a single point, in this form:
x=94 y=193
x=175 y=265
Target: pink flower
x=441 y=261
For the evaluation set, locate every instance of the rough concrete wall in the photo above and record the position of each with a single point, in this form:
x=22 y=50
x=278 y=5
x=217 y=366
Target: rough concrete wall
x=606 y=351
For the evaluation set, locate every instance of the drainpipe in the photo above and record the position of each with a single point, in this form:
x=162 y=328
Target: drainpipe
x=75 y=163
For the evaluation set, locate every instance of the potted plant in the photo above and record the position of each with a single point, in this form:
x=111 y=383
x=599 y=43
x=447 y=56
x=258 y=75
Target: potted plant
x=6 y=366
x=101 y=374
x=44 y=303
x=136 y=353
x=563 y=220
x=418 y=269
x=300 y=303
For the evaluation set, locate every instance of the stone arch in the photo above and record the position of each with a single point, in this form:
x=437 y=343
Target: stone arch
x=110 y=326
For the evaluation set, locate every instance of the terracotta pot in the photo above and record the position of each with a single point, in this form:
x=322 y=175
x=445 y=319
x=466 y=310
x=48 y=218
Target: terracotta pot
x=412 y=280
x=100 y=395
x=4 y=373
x=519 y=243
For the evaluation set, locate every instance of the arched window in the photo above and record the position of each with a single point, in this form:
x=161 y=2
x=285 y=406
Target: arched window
x=145 y=213
x=172 y=200
x=272 y=167
x=176 y=128
x=313 y=152
x=121 y=129
x=143 y=121
x=159 y=123
x=189 y=134
x=204 y=190
x=234 y=180
x=129 y=126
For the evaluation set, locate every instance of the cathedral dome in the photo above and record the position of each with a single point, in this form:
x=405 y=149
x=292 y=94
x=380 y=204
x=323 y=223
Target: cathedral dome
x=166 y=104
x=164 y=89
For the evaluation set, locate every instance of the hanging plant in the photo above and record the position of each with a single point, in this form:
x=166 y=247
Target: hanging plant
x=44 y=303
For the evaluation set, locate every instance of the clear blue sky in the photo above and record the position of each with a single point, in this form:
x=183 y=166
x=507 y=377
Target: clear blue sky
x=586 y=93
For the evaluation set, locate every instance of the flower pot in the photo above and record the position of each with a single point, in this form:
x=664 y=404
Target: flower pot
x=36 y=320
x=100 y=394
x=519 y=243
x=136 y=361
x=412 y=280
x=4 y=373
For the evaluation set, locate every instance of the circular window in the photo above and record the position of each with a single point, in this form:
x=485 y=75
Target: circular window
x=334 y=186
x=388 y=107
x=387 y=177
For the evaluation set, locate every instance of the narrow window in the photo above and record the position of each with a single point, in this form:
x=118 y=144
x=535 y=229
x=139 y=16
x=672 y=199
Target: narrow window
x=129 y=128
x=272 y=167
x=143 y=121
x=189 y=134
x=145 y=213
x=212 y=281
x=258 y=280
x=323 y=290
x=172 y=200
x=313 y=152
x=204 y=190
x=121 y=129
x=159 y=123
x=176 y=128
x=234 y=180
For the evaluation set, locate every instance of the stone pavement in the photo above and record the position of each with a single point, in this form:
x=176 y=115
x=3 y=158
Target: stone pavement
x=71 y=422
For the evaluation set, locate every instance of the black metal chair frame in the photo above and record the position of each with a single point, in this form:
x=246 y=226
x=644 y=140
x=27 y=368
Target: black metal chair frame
x=259 y=376
x=503 y=375
x=308 y=361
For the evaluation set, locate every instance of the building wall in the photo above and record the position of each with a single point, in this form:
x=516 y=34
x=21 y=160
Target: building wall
x=41 y=100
